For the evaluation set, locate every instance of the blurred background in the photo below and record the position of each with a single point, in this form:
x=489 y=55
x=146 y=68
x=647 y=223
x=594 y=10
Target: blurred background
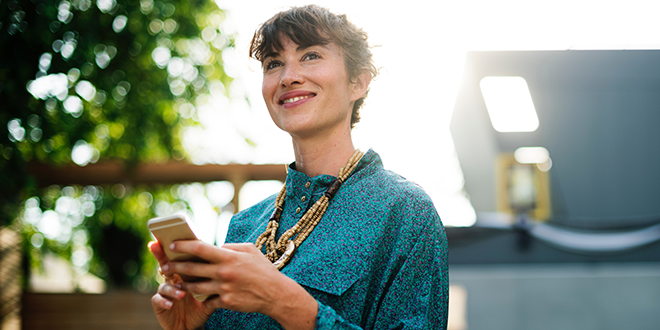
x=532 y=126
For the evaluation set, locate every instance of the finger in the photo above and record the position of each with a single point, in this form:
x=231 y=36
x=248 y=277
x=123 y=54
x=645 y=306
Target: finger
x=205 y=287
x=166 y=272
x=170 y=292
x=158 y=252
x=160 y=302
x=195 y=269
x=208 y=252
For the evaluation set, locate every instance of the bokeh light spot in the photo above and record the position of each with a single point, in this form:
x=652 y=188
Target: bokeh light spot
x=73 y=105
x=119 y=23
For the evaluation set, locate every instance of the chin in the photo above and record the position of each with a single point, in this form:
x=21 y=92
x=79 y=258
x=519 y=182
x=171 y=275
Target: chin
x=294 y=126
x=298 y=131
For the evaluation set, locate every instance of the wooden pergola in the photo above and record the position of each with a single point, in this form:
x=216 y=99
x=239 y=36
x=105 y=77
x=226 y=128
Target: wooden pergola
x=164 y=173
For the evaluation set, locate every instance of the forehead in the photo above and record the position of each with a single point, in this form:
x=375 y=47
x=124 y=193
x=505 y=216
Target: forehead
x=285 y=44
x=275 y=38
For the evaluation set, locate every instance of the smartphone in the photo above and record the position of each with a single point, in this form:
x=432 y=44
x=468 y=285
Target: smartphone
x=171 y=229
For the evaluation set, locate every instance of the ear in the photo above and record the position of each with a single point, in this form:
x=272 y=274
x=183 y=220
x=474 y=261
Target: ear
x=360 y=85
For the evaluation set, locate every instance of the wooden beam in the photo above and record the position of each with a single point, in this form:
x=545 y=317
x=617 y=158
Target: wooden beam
x=165 y=173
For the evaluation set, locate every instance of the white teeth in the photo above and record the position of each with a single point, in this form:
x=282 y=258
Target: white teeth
x=297 y=98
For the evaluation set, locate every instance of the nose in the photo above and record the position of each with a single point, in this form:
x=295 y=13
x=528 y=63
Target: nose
x=291 y=75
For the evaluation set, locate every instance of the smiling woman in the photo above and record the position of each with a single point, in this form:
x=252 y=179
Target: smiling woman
x=345 y=244
x=301 y=85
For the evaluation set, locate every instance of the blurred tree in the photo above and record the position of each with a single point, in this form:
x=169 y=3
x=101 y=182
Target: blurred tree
x=85 y=81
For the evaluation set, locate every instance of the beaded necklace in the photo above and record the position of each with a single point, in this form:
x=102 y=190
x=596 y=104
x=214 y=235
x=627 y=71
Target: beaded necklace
x=280 y=252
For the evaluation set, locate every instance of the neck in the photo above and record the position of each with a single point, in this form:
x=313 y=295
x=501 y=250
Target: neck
x=326 y=155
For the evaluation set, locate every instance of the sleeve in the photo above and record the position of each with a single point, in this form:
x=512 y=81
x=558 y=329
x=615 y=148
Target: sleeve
x=417 y=295
x=327 y=319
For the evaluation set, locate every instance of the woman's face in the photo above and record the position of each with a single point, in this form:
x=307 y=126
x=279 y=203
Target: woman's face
x=307 y=90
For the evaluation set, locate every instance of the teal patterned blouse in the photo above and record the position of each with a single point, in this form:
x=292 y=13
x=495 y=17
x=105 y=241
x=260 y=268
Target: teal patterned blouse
x=377 y=259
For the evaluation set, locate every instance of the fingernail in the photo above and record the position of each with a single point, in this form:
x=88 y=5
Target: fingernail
x=172 y=246
x=179 y=294
x=168 y=304
x=178 y=285
x=165 y=268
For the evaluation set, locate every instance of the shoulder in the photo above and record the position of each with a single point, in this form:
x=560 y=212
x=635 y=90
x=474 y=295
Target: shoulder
x=387 y=188
x=411 y=205
x=389 y=201
x=402 y=189
x=414 y=225
x=373 y=178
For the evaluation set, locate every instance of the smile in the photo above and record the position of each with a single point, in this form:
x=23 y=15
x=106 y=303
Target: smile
x=297 y=98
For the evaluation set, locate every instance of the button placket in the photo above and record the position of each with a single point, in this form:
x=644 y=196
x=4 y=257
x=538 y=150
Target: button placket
x=304 y=200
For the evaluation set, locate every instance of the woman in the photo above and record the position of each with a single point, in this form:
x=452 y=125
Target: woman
x=346 y=244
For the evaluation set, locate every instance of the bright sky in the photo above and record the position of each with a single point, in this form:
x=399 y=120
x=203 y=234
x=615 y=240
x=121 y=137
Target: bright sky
x=422 y=50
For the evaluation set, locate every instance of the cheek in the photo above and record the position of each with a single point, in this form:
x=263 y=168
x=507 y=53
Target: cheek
x=263 y=90
x=335 y=79
x=268 y=87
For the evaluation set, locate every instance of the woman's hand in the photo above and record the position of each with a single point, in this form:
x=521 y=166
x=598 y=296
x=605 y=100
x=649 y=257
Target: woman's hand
x=174 y=308
x=244 y=280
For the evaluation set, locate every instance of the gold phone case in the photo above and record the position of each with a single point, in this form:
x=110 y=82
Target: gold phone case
x=171 y=229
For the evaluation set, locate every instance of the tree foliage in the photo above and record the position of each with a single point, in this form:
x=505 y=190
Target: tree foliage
x=85 y=81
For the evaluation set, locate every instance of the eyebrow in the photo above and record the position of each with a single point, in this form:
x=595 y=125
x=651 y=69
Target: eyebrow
x=310 y=46
x=270 y=54
x=299 y=48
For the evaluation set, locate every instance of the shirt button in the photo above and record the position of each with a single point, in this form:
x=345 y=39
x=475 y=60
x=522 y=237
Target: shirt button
x=298 y=210
x=302 y=199
x=308 y=184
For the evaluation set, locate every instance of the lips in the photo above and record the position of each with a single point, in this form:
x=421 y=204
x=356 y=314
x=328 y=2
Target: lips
x=295 y=96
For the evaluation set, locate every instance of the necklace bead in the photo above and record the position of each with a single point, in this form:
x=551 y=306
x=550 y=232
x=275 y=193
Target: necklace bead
x=280 y=252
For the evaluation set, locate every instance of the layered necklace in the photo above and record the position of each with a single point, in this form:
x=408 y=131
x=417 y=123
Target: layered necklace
x=280 y=252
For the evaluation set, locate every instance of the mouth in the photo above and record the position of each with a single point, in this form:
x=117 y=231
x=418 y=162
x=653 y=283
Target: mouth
x=293 y=97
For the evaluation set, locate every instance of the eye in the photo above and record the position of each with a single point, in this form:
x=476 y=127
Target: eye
x=272 y=64
x=311 y=56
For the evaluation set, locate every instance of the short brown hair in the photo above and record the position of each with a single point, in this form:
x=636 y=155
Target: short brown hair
x=313 y=25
